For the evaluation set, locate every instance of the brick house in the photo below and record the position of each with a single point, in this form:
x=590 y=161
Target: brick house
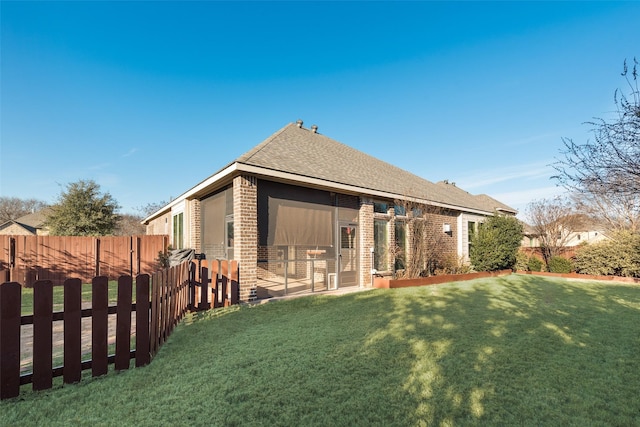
x=303 y=212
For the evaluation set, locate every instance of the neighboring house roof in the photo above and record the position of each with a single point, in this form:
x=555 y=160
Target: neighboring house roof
x=297 y=153
x=30 y=222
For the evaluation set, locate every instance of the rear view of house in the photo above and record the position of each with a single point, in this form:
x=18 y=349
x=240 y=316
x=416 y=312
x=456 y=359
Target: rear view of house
x=303 y=212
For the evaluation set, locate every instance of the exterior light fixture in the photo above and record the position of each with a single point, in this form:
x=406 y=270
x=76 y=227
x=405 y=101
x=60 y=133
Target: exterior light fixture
x=446 y=228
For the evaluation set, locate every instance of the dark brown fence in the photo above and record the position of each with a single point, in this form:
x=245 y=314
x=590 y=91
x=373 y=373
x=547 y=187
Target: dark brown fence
x=162 y=299
x=565 y=252
x=27 y=259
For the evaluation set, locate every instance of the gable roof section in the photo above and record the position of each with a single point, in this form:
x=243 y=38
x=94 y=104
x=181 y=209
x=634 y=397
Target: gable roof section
x=295 y=153
x=30 y=222
x=299 y=151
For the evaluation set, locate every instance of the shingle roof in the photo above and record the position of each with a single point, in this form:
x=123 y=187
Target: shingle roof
x=300 y=151
x=29 y=222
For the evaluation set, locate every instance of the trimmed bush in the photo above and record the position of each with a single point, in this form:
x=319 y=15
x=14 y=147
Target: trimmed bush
x=521 y=261
x=534 y=264
x=496 y=243
x=558 y=264
x=619 y=256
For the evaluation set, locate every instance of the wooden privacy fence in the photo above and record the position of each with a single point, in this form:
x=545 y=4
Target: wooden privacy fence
x=27 y=259
x=161 y=301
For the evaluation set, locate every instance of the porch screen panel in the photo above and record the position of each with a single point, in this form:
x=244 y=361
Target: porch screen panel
x=294 y=223
x=212 y=212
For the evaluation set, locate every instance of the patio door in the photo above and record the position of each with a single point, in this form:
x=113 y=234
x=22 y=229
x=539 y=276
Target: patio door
x=348 y=255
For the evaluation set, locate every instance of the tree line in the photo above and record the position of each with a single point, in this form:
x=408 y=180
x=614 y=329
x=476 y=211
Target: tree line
x=81 y=209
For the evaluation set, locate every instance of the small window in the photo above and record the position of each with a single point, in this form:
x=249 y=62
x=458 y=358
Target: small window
x=471 y=234
x=229 y=236
x=380 y=207
x=400 y=210
x=178 y=231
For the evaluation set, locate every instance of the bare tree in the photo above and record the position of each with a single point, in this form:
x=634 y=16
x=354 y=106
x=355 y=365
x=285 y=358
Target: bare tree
x=553 y=222
x=129 y=225
x=608 y=167
x=615 y=211
x=426 y=245
x=150 y=208
x=15 y=207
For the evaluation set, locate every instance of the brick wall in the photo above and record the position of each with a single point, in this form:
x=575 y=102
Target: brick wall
x=194 y=226
x=365 y=222
x=245 y=245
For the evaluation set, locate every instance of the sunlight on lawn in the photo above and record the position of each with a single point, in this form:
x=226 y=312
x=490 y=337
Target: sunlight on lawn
x=518 y=350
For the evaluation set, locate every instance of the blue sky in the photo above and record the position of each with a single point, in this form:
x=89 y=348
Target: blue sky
x=150 y=98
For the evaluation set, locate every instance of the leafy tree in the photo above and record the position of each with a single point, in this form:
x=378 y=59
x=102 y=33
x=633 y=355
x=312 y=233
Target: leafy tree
x=83 y=210
x=14 y=207
x=605 y=171
x=495 y=245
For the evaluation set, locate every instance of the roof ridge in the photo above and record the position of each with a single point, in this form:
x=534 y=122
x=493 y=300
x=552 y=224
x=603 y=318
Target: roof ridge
x=246 y=157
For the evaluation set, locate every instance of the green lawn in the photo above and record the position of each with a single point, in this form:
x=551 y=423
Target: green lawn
x=515 y=350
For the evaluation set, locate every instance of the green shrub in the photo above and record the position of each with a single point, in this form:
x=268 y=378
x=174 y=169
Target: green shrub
x=522 y=260
x=619 y=256
x=534 y=264
x=496 y=243
x=558 y=264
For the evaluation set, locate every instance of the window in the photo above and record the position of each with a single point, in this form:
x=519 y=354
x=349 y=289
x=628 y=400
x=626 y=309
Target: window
x=178 y=231
x=380 y=207
x=229 y=236
x=471 y=232
x=401 y=245
x=380 y=244
x=400 y=210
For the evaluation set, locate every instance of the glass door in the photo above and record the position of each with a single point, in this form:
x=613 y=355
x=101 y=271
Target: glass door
x=348 y=255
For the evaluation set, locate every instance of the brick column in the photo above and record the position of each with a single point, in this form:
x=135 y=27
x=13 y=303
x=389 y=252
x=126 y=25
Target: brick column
x=245 y=233
x=194 y=225
x=365 y=222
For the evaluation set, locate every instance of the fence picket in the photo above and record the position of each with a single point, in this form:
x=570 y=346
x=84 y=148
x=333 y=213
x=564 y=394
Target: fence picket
x=234 y=278
x=160 y=304
x=155 y=313
x=10 y=302
x=72 y=331
x=99 y=326
x=142 y=320
x=42 y=335
x=123 y=323
x=224 y=282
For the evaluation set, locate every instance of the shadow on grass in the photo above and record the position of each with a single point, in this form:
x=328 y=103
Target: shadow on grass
x=518 y=350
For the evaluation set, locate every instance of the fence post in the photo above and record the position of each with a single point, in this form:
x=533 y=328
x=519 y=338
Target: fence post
x=142 y=320
x=192 y=286
x=42 y=335
x=204 y=289
x=215 y=283
x=10 y=302
x=123 y=323
x=72 y=370
x=99 y=326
